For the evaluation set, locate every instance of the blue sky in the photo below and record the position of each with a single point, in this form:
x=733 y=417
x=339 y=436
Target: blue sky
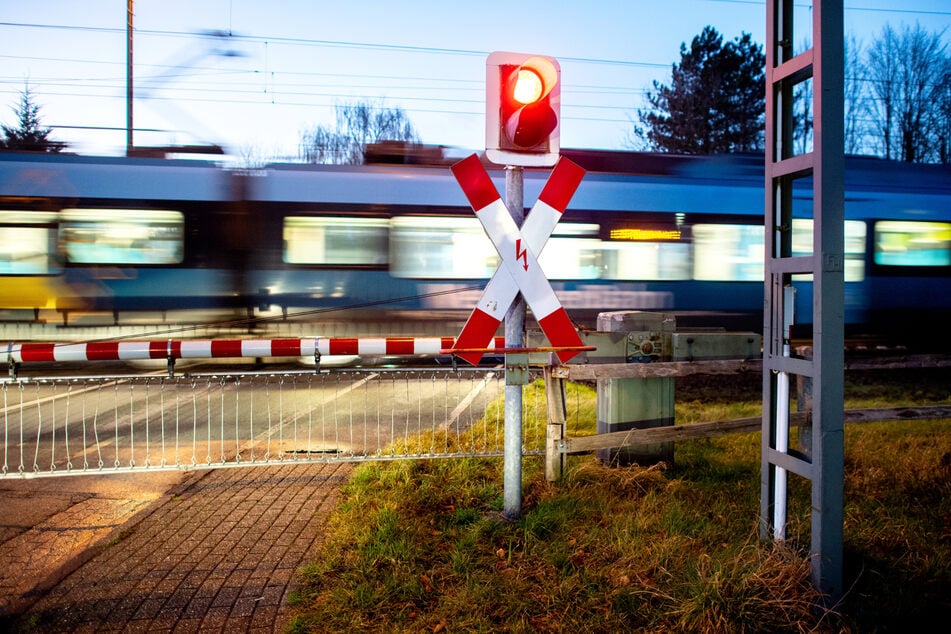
x=288 y=62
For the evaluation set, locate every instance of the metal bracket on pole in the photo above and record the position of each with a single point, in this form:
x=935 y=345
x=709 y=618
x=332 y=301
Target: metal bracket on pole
x=13 y=366
x=170 y=359
x=516 y=369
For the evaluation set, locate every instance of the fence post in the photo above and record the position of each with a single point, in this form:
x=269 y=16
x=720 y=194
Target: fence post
x=557 y=416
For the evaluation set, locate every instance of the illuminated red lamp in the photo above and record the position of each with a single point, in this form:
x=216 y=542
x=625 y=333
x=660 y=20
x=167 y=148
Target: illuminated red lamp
x=522 y=109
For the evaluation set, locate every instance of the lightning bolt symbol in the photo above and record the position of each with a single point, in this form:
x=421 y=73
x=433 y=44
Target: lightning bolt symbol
x=521 y=253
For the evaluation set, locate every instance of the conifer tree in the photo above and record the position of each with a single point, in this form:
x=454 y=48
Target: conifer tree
x=29 y=135
x=715 y=102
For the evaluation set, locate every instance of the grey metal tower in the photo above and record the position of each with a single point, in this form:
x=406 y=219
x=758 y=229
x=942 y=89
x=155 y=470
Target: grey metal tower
x=809 y=266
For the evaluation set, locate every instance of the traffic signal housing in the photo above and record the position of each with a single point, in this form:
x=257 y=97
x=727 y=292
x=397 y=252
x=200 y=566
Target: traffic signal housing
x=522 y=109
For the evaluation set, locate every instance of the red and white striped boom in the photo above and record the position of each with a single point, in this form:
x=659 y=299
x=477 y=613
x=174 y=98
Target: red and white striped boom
x=230 y=348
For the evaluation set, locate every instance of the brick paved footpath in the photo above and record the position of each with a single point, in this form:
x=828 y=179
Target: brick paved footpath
x=219 y=555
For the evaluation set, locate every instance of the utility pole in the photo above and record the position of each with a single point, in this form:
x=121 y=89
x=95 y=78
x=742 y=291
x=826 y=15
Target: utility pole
x=128 y=81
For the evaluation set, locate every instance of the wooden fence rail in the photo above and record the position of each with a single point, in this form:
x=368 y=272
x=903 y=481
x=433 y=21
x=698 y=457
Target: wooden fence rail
x=691 y=431
x=558 y=445
x=592 y=372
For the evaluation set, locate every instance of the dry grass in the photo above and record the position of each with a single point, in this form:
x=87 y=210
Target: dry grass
x=422 y=546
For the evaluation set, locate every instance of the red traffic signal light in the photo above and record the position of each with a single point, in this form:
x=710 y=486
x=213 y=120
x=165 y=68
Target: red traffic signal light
x=522 y=109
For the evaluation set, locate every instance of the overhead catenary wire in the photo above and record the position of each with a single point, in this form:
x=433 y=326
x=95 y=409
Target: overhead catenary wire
x=608 y=103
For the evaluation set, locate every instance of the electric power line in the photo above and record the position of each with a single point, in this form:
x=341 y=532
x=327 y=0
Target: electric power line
x=279 y=90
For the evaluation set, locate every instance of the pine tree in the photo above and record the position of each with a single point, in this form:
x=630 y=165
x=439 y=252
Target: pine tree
x=29 y=135
x=715 y=103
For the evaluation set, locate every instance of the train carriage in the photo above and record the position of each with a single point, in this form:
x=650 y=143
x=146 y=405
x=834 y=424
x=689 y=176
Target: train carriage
x=383 y=249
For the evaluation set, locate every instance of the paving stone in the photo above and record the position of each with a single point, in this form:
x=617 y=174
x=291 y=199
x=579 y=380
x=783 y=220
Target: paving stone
x=220 y=554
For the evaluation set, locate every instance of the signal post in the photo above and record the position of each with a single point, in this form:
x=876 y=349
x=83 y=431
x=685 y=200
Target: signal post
x=521 y=115
x=523 y=95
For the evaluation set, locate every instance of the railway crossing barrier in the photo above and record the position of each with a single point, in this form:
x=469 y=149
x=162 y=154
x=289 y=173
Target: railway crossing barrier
x=171 y=350
x=66 y=424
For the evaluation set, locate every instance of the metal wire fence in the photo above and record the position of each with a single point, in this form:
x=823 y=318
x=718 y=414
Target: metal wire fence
x=61 y=425
x=68 y=425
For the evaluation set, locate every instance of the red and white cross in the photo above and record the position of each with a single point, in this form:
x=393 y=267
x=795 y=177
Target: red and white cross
x=518 y=249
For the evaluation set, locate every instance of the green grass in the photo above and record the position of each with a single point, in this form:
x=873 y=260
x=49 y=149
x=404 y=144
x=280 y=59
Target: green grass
x=423 y=546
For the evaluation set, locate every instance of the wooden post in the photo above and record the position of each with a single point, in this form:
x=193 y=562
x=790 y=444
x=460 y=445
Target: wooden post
x=557 y=416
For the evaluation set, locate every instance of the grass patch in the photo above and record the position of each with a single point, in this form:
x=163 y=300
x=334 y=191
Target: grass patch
x=423 y=546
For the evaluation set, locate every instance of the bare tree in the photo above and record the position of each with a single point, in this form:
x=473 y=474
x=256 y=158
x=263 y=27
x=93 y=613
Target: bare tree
x=908 y=94
x=883 y=75
x=803 y=122
x=251 y=156
x=944 y=110
x=356 y=126
x=856 y=130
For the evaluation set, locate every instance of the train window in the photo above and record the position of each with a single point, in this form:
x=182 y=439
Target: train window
x=646 y=260
x=731 y=253
x=854 y=245
x=573 y=253
x=121 y=236
x=336 y=240
x=27 y=243
x=906 y=243
x=457 y=248
x=855 y=231
x=571 y=259
x=441 y=248
x=647 y=252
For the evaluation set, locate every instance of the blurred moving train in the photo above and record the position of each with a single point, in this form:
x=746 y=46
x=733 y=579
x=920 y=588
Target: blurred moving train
x=382 y=245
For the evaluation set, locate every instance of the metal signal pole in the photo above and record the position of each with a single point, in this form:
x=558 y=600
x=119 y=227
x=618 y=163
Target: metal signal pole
x=515 y=375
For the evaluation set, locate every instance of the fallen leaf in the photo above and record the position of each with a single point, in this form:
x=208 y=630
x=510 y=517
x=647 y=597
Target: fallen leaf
x=427 y=586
